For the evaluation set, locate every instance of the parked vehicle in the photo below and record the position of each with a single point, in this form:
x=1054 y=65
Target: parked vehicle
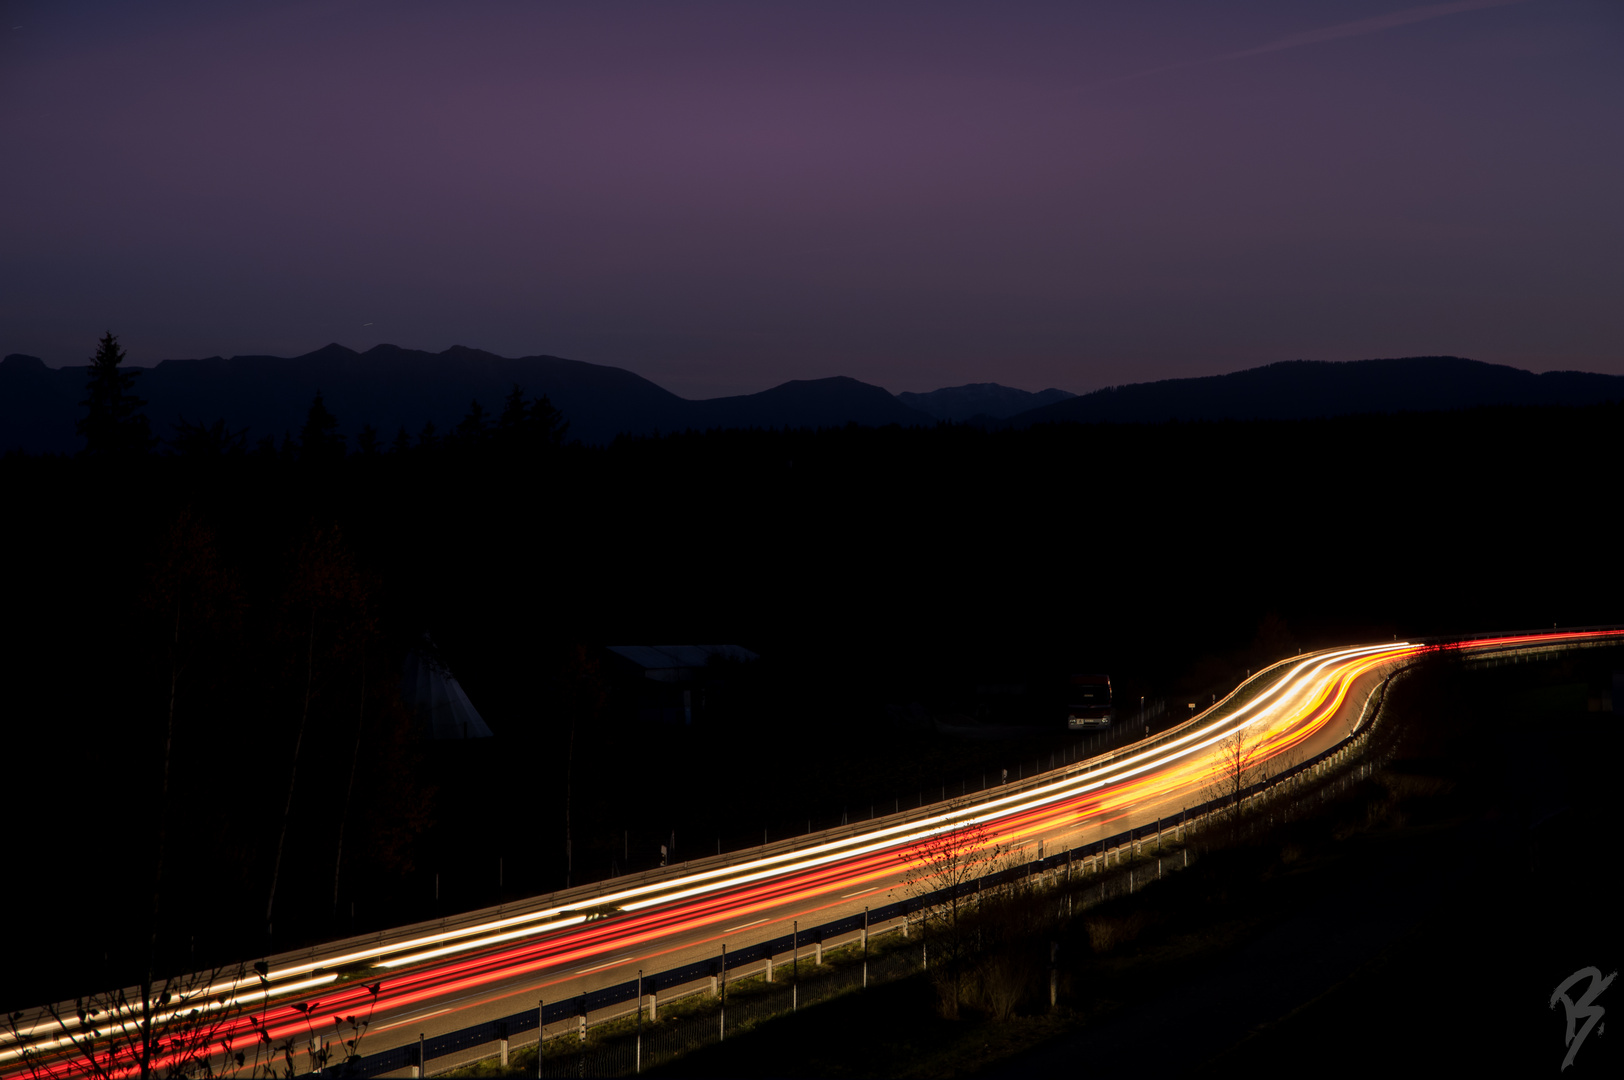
x=1088 y=701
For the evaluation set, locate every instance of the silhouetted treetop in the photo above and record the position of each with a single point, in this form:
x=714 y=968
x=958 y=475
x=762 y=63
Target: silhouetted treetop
x=113 y=426
x=319 y=439
x=547 y=424
x=475 y=427
x=514 y=412
x=530 y=426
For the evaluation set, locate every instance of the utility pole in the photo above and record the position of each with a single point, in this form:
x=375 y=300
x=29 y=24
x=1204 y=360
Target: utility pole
x=795 y=966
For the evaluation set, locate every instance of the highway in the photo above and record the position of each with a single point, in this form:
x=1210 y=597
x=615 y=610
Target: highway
x=438 y=977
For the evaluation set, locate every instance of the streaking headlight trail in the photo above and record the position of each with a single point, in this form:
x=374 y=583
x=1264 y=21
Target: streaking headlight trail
x=1282 y=708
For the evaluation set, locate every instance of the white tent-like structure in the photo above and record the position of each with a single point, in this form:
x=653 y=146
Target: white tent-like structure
x=435 y=696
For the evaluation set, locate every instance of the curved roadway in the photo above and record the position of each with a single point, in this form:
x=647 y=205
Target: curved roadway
x=439 y=977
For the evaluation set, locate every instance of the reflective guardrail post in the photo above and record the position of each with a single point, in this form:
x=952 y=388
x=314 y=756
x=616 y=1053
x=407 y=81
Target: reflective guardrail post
x=865 y=946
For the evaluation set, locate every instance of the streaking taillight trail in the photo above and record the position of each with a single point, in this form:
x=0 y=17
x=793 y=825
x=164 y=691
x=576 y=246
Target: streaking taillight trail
x=1295 y=705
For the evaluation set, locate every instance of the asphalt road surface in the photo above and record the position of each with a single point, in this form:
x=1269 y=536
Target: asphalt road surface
x=438 y=977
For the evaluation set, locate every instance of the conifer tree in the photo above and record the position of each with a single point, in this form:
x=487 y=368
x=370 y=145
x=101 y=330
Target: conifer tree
x=547 y=425
x=514 y=414
x=113 y=426
x=319 y=440
x=475 y=427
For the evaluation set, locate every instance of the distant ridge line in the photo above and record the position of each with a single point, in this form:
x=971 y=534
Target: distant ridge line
x=1306 y=389
x=391 y=388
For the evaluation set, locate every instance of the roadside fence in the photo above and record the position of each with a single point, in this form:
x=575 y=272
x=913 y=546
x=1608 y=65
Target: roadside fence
x=1110 y=867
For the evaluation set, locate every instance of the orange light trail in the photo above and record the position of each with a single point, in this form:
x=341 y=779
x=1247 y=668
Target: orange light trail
x=1291 y=709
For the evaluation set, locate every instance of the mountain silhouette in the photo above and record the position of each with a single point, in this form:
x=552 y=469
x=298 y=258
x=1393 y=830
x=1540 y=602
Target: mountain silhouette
x=391 y=387
x=829 y=402
x=39 y=406
x=1304 y=389
x=961 y=403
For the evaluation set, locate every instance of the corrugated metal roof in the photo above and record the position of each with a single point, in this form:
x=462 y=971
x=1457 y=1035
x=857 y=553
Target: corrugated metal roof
x=664 y=657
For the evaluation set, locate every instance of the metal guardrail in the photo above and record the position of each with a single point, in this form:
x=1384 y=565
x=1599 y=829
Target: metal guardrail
x=1479 y=635
x=608 y=1060
x=1074 y=759
x=419 y=1055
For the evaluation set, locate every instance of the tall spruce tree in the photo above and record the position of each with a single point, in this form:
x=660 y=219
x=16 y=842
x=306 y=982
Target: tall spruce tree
x=113 y=426
x=547 y=425
x=319 y=439
x=514 y=412
x=475 y=429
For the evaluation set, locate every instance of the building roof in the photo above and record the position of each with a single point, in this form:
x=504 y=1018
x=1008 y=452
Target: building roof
x=433 y=693
x=673 y=661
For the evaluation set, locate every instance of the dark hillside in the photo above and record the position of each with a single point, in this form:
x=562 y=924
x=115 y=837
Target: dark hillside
x=386 y=386
x=1302 y=389
x=393 y=388
x=961 y=403
x=810 y=403
x=871 y=568
x=39 y=406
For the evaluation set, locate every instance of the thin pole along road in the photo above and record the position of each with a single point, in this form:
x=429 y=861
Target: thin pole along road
x=438 y=977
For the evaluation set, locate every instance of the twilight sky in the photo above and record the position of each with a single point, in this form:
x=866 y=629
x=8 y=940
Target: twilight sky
x=723 y=196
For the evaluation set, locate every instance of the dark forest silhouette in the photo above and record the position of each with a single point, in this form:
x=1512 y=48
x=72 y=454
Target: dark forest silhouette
x=388 y=387
x=211 y=632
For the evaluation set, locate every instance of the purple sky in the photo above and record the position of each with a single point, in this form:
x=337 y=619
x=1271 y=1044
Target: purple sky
x=722 y=196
